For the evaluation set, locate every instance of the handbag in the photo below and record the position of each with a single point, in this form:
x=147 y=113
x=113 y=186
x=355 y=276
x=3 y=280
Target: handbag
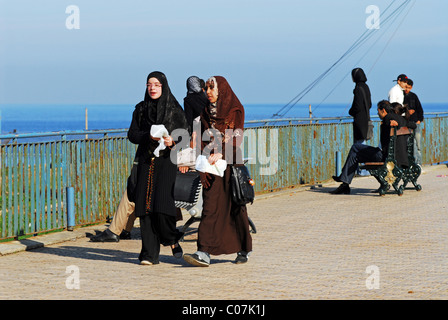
x=187 y=188
x=132 y=182
x=241 y=185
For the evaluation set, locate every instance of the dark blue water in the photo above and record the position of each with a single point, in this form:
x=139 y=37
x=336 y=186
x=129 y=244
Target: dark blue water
x=46 y=118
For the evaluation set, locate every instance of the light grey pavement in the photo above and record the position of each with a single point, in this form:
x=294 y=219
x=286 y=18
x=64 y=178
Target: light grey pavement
x=309 y=245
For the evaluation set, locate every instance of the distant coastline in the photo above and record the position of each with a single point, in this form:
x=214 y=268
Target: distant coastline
x=45 y=118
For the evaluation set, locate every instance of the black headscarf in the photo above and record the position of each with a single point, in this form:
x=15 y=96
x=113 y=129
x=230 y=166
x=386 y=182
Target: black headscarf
x=164 y=110
x=358 y=75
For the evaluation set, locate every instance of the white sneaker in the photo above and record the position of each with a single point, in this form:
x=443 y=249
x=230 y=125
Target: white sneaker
x=146 y=263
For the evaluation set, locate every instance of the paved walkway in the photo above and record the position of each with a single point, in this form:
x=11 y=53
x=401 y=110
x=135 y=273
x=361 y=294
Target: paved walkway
x=309 y=245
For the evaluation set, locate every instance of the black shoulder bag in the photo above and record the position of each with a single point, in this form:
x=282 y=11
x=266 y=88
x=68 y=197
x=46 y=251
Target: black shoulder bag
x=241 y=185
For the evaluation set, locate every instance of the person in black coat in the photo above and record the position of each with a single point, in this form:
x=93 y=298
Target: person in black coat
x=196 y=100
x=361 y=105
x=154 y=198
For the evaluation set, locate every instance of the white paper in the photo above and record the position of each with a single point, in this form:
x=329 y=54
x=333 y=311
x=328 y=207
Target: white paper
x=159 y=131
x=203 y=165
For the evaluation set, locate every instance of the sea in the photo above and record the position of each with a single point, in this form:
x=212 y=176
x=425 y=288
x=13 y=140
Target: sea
x=49 y=118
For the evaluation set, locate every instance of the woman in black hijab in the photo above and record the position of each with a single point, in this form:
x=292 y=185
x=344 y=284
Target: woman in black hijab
x=195 y=100
x=361 y=105
x=154 y=200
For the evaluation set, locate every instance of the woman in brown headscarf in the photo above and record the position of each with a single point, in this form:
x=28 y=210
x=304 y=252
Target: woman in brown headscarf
x=224 y=226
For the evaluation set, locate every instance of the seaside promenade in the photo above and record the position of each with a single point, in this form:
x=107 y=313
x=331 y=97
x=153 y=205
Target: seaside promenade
x=309 y=245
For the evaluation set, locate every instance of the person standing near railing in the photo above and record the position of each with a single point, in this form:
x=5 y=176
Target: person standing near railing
x=413 y=103
x=361 y=106
x=154 y=203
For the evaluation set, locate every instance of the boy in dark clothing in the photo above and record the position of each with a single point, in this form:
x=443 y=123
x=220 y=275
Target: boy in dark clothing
x=364 y=153
x=411 y=99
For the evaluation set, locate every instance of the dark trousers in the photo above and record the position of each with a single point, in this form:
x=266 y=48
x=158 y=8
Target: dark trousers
x=157 y=229
x=359 y=153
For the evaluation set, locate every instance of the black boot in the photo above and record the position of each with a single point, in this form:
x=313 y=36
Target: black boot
x=342 y=189
x=105 y=236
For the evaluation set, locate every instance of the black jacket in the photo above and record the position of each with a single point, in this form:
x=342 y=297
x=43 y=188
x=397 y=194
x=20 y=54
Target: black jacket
x=194 y=103
x=413 y=103
x=401 y=154
x=361 y=105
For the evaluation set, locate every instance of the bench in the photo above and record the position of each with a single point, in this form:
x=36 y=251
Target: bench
x=413 y=171
x=389 y=173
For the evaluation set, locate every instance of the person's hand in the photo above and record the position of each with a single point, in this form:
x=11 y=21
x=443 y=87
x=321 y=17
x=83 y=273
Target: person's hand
x=168 y=141
x=214 y=157
x=411 y=111
x=393 y=123
x=183 y=169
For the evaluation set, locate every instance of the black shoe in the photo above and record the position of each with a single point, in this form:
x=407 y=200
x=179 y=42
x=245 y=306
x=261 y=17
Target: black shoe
x=125 y=235
x=241 y=257
x=105 y=236
x=342 y=189
x=336 y=178
x=177 y=251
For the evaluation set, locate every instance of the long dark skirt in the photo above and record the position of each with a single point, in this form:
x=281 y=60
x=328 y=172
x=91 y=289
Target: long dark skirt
x=224 y=226
x=155 y=206
x=157 y=229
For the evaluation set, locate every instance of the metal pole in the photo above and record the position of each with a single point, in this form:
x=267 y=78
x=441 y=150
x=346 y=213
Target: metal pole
x=87 y=125
x=70 y=208
x=311 y=114
x=338 y=163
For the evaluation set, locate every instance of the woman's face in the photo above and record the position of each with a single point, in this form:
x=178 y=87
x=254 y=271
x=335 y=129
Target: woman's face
x=212 y=95
x=154 y=88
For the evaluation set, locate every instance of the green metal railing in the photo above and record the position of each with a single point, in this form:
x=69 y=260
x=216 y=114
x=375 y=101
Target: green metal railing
x=35 y=175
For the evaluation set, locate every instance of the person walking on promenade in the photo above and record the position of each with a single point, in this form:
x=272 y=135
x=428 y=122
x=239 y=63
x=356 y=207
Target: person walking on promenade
x=224 y=226
x=154 y=203
x=361 y=106
x=122 y=222
x=413 y=103
x=195 y=101
x=364 y=153
x=396 y=93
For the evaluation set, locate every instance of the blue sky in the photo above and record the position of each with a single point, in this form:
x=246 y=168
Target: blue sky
x=268 y=50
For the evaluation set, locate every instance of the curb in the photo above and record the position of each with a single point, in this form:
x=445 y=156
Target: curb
x=46 y=240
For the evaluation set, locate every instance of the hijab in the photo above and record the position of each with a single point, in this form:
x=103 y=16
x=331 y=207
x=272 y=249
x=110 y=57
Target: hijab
x=164 y=110
x=358 y=75
x=193 y=85
x=227 y=112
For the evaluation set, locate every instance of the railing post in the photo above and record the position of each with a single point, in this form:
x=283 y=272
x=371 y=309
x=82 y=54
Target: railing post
x=70 y=208
x=338 y=163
